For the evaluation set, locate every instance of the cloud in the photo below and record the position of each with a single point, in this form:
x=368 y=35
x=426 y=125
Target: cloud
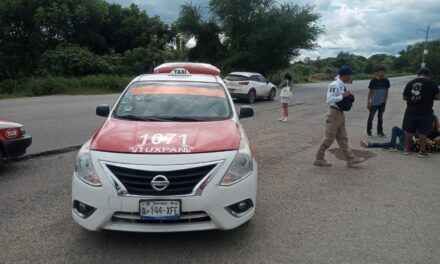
x=364 y=27
x=369 y=27
x=167 y=10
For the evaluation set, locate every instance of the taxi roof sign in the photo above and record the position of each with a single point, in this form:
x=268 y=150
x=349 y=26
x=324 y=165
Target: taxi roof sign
x=180 y=71
x=190 y=67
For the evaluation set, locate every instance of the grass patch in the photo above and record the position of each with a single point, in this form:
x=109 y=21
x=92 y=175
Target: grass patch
x=92 y=84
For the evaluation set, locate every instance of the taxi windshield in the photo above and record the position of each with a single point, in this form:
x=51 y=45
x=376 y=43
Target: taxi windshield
x=174 y=101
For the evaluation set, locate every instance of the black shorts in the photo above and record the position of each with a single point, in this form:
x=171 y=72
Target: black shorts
x=421 y=123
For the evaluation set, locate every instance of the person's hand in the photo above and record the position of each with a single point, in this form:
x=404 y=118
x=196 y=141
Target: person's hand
x=369 y=106
x=346 y=93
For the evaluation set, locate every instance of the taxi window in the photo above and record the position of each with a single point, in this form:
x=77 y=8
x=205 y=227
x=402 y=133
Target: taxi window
x=176 y=101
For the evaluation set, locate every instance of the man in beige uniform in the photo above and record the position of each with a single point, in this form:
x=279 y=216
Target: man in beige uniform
x=335 y=123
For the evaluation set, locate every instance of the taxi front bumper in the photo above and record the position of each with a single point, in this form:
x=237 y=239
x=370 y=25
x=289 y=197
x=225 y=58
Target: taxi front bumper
x=209 y=209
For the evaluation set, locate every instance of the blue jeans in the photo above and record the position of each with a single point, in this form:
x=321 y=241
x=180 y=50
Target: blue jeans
x=396 y=134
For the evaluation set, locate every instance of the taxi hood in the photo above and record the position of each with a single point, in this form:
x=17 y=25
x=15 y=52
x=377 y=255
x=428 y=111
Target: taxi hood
x=128 y=136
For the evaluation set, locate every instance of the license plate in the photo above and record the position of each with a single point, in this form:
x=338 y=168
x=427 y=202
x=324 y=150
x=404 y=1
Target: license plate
x=159 y=209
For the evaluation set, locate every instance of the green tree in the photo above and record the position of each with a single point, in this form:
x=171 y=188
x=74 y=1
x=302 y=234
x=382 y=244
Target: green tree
x=377 y=60
x=410 y=58
x=29 y=28
x=206 y=33
x=356 y=62
x=262 y=35
x=129 y=28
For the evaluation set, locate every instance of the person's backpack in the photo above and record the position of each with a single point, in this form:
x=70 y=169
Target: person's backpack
x=346 y=103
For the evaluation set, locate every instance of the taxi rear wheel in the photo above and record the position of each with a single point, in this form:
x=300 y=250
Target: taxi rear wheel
x=251 y=96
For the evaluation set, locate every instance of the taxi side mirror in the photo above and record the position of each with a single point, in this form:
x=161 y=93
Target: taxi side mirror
x=103 y=110
x=246 y=111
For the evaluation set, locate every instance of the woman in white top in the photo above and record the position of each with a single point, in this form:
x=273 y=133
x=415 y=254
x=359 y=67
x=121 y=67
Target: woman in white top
x=285 y=98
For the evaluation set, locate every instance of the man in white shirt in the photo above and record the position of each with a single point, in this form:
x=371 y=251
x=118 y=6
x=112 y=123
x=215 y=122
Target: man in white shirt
x=335 y=123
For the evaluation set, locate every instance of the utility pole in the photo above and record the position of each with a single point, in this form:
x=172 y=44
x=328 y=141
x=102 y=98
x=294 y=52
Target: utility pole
x=425 y=50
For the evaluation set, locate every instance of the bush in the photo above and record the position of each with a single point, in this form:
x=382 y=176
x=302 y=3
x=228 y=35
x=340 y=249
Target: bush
x=8 y=86
x=71 y=60
x=301 y=74
x=93 y=84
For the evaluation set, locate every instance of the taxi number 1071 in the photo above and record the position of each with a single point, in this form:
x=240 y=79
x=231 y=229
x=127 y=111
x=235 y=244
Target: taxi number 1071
x=157 y=139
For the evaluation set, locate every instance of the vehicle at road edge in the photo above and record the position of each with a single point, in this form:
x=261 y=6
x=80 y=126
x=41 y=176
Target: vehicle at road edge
x=249 y=86
x=13 y=140
x=171 y=156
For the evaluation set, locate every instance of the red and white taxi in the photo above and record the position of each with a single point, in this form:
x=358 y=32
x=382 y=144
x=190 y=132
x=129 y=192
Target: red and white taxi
x=171 y=156
x=13 y=140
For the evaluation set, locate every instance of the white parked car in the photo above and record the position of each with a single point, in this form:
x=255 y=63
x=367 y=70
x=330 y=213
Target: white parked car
x=249 y=86
x=171 y=156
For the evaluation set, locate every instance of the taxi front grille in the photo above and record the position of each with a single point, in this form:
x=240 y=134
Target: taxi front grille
x=181 y=182
x=185 y=218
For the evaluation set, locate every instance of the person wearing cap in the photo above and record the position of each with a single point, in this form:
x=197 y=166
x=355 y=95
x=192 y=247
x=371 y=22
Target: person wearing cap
x=377 y=98
x=335 y=123
x=419 y=95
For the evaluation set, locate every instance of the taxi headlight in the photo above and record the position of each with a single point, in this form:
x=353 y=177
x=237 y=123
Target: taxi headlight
x=241 y=167
x=84 y=167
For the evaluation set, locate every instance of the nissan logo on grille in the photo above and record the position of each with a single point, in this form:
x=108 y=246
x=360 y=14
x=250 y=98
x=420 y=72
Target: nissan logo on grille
x=160 y=183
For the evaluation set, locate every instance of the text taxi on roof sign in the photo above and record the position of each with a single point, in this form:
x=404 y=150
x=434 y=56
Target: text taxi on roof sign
x=171 y=156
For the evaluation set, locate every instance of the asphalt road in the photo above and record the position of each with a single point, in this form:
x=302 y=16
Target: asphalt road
x=386 y=211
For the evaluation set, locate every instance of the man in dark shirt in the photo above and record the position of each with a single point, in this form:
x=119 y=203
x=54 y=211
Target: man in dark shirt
x=377 y=98
x=419 y=95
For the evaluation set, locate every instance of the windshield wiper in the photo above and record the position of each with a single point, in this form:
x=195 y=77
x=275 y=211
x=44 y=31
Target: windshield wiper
x=142 y=118
x=183 y=118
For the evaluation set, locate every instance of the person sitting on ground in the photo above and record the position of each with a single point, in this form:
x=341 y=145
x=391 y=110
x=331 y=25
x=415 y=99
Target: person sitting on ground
x=397 y=141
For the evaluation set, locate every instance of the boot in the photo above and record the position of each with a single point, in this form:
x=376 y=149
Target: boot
x=322 y=163
x=355 y=161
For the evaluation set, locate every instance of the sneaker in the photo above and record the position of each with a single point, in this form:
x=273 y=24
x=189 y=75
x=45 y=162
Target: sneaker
x=284 y=120
x=281 y=118
x=364 y=143
x=381 y=135
x=322 y=163
x=355 y=161
x=423 y=154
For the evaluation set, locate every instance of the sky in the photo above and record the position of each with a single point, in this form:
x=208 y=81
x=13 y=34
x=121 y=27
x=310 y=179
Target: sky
x=363 y=27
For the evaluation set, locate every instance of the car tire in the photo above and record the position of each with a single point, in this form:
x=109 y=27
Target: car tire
x=2 y=162
x=251 y=96
x=272 y=94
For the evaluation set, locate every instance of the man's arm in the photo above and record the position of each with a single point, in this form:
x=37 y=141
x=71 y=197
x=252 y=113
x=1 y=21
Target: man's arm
x=333 y=94
x=406 y=92
x=386 y=96
x=369 y=99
